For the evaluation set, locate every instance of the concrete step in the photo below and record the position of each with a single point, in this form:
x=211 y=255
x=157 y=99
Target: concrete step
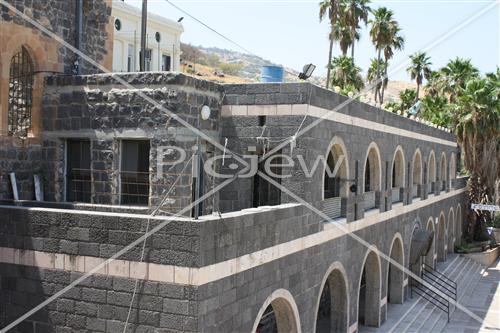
x=414 y=306
x=438 y=319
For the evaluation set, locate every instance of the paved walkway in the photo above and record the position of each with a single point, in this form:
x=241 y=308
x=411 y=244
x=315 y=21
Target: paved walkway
x=484 y=300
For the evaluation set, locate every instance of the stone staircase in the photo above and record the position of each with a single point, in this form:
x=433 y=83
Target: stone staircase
x=418 y=314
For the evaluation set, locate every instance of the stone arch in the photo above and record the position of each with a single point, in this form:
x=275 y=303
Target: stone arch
x=398 y=168
x=417 y=167
x=431 y=172
x=429 y=258
x=369 y=289
x=453 y=168
x=39 y=57
x=451 y=230
x=284 y=309
x=372 y=170
x=442 y=171
x=337 y=185
x=332 y=305
x=395 y=276
x=458 y=226
x=416 y=267
x=441 y=236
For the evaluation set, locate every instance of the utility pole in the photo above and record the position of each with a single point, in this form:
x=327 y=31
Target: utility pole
x=142 y=60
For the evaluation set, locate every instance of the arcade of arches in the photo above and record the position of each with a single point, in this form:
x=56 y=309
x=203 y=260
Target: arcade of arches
x=279 y=314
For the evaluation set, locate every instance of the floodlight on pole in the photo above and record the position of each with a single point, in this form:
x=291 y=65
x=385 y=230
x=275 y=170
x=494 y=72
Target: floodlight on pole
x=307 y=71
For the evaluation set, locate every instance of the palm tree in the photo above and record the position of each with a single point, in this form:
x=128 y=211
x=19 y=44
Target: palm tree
x=436 y=110
x=407 y=97
x=382 y=31
x=434 y=85
x=396 y=43
x=332 y=9
x=342 y=34
x=355 y=12
x=419 y=69
x=476 y=117
x=345 y=73
x=455 y=75
x=376 y=67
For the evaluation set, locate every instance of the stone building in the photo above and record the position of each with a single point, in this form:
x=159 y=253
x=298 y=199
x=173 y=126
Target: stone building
x=114 y=154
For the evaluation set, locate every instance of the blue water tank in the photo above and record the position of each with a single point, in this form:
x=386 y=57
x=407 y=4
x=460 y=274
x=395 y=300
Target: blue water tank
x=271 y=74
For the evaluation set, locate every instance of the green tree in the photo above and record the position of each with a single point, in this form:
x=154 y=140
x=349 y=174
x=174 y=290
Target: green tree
x=476 y=118
x=342 y=34
x=330 y=8
x=397 y=43
x=436 y=110
x=454 y=76
x=407 y=98
x=419 y=69
x=382 y=31
x=376 y=67
x=354 y=13
x=345 y=73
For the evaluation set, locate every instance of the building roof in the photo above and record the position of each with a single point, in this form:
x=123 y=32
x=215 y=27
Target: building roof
x=131 y=10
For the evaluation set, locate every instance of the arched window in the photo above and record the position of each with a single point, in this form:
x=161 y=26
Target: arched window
x=21 y=78
x=336 y=176
x=431 y=172
x=372 y=170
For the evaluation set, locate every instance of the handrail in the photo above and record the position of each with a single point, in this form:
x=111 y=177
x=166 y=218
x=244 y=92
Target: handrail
x=438 y=290
x=442 y=280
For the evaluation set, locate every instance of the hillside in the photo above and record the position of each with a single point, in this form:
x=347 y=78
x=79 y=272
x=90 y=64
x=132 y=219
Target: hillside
x=227 y=66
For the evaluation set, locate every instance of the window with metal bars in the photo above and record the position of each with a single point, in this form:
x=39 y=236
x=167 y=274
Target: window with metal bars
x=20 y=93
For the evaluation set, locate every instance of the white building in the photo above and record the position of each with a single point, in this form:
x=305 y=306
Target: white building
x=162 y=42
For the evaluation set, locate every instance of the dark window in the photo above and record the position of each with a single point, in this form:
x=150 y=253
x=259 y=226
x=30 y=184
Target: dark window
x=78 y=180
x=265 y=193
x=332 y=184
x=20 y=93
x=394 y=174
x=367 y=176
x=134 y=175
x=165 y=62
x=130 y=59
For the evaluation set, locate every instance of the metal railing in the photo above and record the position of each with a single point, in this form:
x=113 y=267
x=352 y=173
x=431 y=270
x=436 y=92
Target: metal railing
x=442 y=289
x=332 y=207
x=83 y=184
x=369 y=199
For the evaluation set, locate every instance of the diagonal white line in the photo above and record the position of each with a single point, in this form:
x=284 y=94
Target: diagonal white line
x=400 y=66
x=123 y=82
x=345 y=231
x=113 y=257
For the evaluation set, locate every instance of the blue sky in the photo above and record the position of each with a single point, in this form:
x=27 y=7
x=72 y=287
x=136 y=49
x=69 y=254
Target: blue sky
x=289 y=32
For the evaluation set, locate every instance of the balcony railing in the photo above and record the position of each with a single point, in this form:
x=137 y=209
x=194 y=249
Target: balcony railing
x=332 y=207
x=396 y=194
x=369 y=198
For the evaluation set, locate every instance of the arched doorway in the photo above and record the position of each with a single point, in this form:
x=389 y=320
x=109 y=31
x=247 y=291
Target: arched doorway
x=441 y=235
x=335 y=176
x=372 y=176
x=278 y=314
x=398 y=175
x=431 y=172
x=416 y=173
x=429 y=258
x=442 y=172
x=451 y=231
x=369 y=291
x=332 y=311
x=395 y=276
